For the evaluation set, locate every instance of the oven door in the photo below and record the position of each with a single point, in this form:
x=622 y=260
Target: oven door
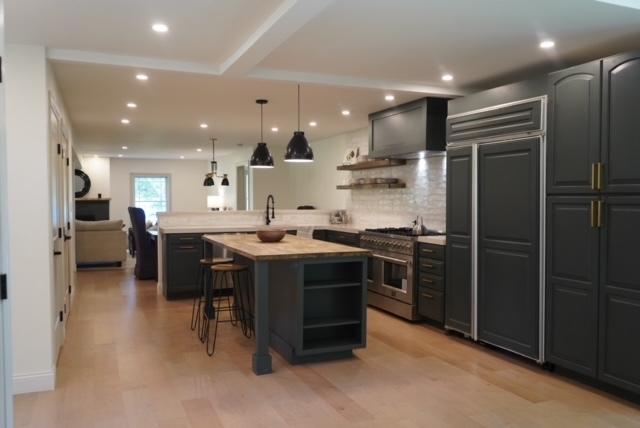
x=395 y=277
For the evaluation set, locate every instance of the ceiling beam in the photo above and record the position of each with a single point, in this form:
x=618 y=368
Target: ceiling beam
x=72 y=55
x=355 y=82
x=288 y=18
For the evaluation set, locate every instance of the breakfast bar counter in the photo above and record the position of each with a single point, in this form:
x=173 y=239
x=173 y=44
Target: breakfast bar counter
x=310 y=296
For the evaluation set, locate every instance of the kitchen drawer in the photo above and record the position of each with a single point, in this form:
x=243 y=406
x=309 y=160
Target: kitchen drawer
x=434 y=267
x=184 y=238
x=431 y=281
x=431 y=251
x=431 y=304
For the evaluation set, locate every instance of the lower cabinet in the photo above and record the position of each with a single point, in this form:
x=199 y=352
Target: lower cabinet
x=593 y=287
x=339 y=237
x=182 y=254
x=431 y=268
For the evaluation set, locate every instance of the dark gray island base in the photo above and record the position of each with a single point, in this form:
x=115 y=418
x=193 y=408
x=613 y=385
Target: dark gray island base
x=310 y=297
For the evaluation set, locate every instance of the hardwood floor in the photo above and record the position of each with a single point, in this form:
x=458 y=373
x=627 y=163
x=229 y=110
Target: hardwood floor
x=130 y=360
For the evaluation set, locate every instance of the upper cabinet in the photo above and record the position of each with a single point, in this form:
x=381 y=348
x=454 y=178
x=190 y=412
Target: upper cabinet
x=408 y=130
x=574 y=129
x=620 y=152
x=594 y=131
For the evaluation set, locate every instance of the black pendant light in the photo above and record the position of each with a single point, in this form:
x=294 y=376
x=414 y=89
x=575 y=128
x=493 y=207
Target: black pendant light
x=208 y=179
x=261 y=157
x=298 y=149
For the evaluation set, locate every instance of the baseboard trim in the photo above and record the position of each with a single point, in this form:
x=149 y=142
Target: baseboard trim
x=34 y=382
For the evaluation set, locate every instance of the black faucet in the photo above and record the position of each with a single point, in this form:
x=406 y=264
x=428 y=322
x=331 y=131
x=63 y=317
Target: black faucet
x=273 y=208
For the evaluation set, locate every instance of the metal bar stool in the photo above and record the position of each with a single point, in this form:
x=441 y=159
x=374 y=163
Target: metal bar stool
x=225 y=275
x=204 y=273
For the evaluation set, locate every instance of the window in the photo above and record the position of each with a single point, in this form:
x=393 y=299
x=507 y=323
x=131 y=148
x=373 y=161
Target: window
x=151 y=193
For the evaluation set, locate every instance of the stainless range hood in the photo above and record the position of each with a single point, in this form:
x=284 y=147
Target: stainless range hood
x=409 y=131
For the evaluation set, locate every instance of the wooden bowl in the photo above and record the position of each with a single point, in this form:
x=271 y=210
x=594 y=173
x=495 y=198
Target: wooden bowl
x=271 y=235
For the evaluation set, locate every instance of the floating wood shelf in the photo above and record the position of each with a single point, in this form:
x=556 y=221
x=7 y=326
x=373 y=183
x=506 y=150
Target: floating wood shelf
x=373 y=163
x=372 y=186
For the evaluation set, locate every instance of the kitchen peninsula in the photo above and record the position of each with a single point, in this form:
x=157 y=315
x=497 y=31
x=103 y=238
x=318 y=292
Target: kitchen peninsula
x=310 y=296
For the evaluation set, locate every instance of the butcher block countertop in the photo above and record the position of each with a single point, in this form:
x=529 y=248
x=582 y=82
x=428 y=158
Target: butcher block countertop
x=291 y=247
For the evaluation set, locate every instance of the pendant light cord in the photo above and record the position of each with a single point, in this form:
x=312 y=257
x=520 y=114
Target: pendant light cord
x=261 y=125
x=298 y=107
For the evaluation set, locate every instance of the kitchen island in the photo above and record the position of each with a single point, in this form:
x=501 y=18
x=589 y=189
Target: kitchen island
x=310 y=296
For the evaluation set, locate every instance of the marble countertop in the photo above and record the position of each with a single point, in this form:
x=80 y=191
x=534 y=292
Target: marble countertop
x=291 y=247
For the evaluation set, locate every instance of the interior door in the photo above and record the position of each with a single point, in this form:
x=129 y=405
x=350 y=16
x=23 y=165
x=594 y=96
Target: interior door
x=57 y=223
x=458 y=278
x=6 y=375
x=508 y=245
x=620 y=292
x=65 y=159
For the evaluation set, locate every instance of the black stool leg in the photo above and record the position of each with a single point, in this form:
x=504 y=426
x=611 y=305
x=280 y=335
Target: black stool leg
x=211 y=347
x=239 y=302
x=208 y=312
x=250 y=303
x=195 y=316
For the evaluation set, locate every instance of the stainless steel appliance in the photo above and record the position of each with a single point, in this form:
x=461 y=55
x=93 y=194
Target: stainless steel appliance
x=391 y=269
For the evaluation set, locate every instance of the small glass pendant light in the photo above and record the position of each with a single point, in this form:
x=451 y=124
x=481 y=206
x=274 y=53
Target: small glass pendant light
x=208 y=178
x=298 y=149
x=261 y=157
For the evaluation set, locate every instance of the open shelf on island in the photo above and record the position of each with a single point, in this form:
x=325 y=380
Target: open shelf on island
x=313 y=285
x=371 y=186
x=373 y=163
x=329 y=322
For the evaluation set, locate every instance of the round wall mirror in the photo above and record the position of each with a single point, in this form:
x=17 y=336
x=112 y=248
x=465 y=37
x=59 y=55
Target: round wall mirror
x=81 y=183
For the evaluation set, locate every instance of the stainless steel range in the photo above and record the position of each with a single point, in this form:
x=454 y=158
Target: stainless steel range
x=391 y=272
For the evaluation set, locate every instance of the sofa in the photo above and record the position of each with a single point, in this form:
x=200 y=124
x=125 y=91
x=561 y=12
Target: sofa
x=100 y=242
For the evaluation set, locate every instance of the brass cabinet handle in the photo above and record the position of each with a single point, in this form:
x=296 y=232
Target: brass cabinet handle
x=427 y=280
x=428 y=296
x=600 y=204
x=594 y=215
x=186 y=247
x=600 y=167
x=593 y=176
x=426 y=250
x=427 y=265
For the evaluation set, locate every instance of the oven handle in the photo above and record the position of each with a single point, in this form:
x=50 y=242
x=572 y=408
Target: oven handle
x=391 y=259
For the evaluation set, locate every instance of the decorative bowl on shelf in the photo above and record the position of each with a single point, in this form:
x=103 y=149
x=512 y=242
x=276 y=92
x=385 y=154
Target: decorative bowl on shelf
x=271 y=235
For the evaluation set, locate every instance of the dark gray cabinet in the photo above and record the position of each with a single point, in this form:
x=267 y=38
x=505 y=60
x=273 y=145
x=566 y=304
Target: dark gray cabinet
x=431 y=268
x=182 y=254
x=458 y=277
x=573 y=133
x=620 y=292
x=508 y=239
x=351 y=239
x=620 y=126
x=572 y=283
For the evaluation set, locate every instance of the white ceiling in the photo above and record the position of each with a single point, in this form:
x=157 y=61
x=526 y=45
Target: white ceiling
x=171 y=106
x=237 y=50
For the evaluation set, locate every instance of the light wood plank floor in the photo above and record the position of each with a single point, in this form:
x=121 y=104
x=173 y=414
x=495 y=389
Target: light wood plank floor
x=130 y=360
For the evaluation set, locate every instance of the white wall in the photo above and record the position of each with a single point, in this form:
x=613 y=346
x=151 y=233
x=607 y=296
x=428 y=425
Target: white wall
x=187 y=191
x=28 y=196
x=99 y=171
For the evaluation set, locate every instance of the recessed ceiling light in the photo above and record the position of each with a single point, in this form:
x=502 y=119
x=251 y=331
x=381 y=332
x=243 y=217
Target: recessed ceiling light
x=346 y=112
x=125 y=121
x=633 y=4
x=120 y=155
x=274 y=129
x=125 y=148
x=159 y=27
x=198 y=149
x=132 y=105
x=204 y=126
x=142 y=76
x=447 y=77
x=389 y=97
x=547 y=44
x=181 y=157
x=312 y=123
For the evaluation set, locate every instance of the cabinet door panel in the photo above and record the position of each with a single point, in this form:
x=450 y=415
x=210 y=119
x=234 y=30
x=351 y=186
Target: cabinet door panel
x=573 y=134
x=458 y=250
x=508 y=242
x=572 y=284
x=620 y=293
x=621 y=127
x=458 y=284
x=183 y=262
